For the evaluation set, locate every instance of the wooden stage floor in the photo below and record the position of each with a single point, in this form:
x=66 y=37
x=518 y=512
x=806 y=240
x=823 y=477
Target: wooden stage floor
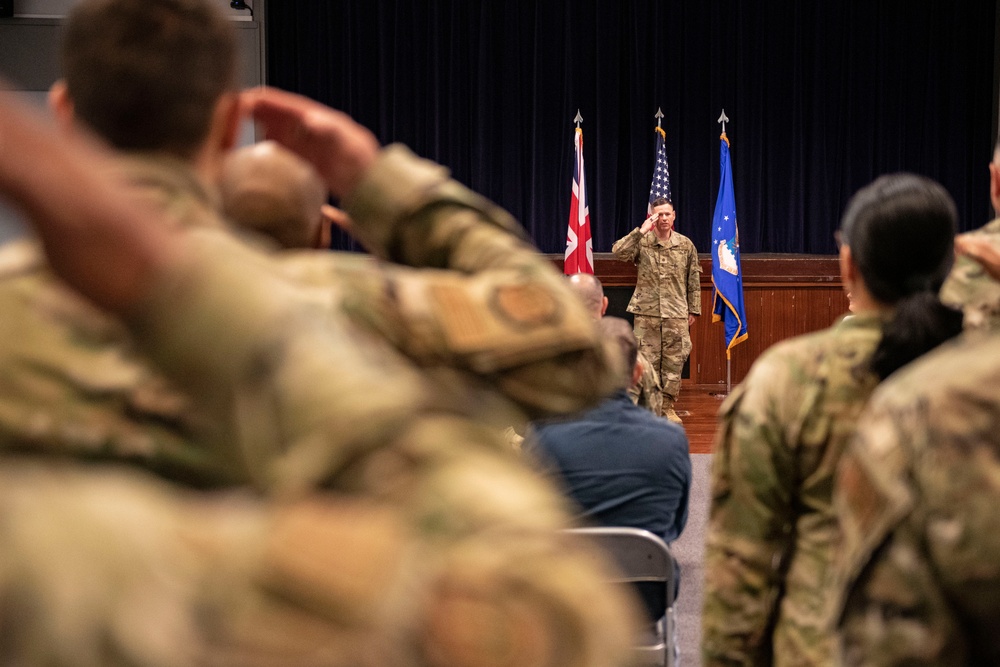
x=698 y=407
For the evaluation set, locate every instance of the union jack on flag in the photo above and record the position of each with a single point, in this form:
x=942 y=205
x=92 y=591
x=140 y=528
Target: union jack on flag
x=579 y=244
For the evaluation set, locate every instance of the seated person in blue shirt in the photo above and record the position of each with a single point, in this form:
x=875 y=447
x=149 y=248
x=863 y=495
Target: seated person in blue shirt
x=622 y=465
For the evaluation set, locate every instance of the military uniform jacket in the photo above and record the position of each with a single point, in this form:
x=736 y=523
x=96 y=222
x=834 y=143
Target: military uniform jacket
x=472 y=565
x=668 y=274
x=970 y=288
x=772 y=531
x=431 y=543
x=917 y=499
x=487 y=319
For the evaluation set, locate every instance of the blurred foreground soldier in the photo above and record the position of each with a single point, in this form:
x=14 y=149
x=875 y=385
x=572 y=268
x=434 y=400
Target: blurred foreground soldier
x=772 y=536
x=493 y=328
x=969 y=286
x=459 y=563
x=917 y=498
x=647 y=392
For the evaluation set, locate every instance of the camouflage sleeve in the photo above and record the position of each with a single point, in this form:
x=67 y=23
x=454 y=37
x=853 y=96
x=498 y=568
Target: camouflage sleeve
x=647 y=393
x=750 y=523
x=74 y=384
x=627 y=247
x=236 y=339
x=694 y=283
x=498 y=308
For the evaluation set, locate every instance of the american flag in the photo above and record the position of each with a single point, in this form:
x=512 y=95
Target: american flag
x=660 y=187
x=579 y=245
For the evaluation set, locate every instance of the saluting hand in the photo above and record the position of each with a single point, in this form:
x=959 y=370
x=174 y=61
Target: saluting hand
x=340 y=149
x=648 y=224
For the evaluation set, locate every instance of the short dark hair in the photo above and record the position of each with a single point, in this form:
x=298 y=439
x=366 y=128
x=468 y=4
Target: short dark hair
x=147 y=76
x=660 y=201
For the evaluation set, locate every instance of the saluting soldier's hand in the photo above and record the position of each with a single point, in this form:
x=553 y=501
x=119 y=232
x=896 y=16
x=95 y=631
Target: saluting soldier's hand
x=648 y=223
x=980 y=249
x=339 y=148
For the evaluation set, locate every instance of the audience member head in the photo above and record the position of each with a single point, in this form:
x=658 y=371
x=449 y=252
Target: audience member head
x=589 y=287
x=620 y=331
x=149 y=76
x=897 y=238
x=270 y=190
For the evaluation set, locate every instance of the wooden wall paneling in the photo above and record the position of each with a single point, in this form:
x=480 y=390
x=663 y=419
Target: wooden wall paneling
x=784 y=296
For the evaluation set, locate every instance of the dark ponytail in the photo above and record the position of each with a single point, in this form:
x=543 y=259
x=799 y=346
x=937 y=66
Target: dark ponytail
x=901 y=231
x=920 y=323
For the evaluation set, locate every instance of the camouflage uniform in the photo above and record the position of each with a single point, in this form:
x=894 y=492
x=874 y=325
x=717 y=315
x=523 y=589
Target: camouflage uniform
x=110 y=568
x=460 y=561
x=647 y=392
x=667 y=290
x=772 y=530
x=972 y=289
x=917 y=498
x=500 y=318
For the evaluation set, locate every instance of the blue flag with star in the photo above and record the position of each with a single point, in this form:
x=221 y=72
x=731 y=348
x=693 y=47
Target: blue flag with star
x=727 y=277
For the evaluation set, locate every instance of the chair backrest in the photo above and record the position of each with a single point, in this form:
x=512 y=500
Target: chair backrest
x=642 y=556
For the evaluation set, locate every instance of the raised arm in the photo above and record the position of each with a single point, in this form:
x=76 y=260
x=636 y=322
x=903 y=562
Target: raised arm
x=96 y=238
x=499 y=309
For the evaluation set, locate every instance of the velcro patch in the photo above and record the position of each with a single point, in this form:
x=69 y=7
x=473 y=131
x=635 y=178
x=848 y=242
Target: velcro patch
x=526 y=305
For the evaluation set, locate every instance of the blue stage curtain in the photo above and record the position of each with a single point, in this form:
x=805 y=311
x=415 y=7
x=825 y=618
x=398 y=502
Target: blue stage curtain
x=822 y=96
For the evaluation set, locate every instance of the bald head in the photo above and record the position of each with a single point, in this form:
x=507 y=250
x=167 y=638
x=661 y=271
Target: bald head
x=270 y=190
x=591 y=293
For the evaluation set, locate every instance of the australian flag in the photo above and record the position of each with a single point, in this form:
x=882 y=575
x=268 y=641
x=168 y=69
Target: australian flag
x=660 y=187
x=579 y=245
x=727 y=277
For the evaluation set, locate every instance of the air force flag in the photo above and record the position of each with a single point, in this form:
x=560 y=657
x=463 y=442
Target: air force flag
x=727 y=277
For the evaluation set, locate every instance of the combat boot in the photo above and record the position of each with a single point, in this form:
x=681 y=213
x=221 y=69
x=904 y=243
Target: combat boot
x=668 y=409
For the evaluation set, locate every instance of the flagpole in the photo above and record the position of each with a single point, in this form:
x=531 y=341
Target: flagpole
x=729 y=362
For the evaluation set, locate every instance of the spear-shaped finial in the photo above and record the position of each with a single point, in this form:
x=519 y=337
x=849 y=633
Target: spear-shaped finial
x=578 y=119
x=658 y=116
x=723 y=119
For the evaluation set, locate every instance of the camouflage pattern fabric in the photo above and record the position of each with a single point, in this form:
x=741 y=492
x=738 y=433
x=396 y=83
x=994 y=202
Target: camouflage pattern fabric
x=666 y=342
x=499 y=329
x=668 y=282
x=455 y=555
x=647 y=392
x=917 y=496
x=107 y=568
x=378 y=428
x=772 y=532
x=972 y=289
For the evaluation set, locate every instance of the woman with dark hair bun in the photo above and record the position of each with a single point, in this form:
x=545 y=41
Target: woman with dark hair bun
x=772 y=530
x=896 y=247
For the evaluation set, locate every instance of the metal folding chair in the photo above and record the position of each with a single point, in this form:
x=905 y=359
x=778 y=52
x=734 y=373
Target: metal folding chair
x=643 y=557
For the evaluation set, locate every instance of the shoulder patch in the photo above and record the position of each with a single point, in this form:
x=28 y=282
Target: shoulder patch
x=526 y=305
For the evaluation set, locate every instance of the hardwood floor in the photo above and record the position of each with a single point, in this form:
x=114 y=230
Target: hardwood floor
x=698 y=406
